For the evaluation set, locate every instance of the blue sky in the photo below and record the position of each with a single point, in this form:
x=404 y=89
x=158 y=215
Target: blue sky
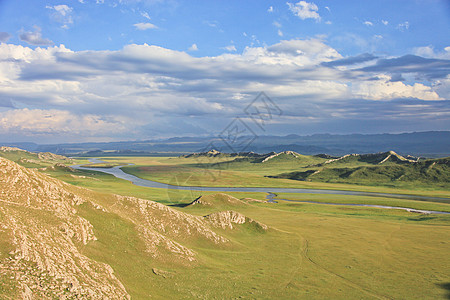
x=92 y=70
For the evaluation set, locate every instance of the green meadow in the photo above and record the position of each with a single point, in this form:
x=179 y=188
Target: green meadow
x=310 y=251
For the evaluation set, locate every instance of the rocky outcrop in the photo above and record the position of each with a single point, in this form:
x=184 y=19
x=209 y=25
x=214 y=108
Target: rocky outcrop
x=295 y=154
x=163 y=229
x=229 y=219
x=10 y=149
x=51 y=156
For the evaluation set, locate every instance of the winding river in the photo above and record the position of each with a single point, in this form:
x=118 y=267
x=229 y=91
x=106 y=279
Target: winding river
x=117 y=172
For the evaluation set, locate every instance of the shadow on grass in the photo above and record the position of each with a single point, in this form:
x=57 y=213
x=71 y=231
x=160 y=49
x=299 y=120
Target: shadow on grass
x=445 y=286
x=179 y=205
x=421 y=218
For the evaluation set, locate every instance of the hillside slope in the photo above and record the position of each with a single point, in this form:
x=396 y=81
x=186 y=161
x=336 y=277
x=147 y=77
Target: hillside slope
x=433 y=172
x=43 y=232
x=40 y=232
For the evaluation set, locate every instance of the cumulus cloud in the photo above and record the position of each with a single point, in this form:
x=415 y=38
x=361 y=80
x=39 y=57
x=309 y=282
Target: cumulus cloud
x=140 y=86
x=304 y=10
x=39 y=121
x=35 y=38
x=430 y=52
x=385 y=22
x=385 y=89
x=145 y=26
x=4 y=36
x=270 y=9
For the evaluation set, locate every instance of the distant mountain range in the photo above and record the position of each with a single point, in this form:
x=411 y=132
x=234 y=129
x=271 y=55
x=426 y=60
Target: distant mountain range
x=429 y=144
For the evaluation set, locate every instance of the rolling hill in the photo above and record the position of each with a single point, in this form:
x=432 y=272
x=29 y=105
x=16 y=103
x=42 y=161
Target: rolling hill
x=389 y=170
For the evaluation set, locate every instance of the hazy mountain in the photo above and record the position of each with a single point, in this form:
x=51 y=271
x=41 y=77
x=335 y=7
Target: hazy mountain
x=431 y=143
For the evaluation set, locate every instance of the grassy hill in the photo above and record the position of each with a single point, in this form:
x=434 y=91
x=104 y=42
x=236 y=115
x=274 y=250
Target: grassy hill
x=31 y=159
x=434 y=172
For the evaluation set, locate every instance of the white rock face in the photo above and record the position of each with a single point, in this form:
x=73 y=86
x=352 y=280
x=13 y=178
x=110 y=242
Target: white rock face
x=228 y=219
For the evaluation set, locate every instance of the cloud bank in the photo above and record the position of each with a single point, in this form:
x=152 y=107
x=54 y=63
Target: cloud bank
x=146 y=91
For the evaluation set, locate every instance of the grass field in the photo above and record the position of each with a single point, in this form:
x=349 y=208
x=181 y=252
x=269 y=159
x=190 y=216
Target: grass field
x=217 y=172
x=311 y=251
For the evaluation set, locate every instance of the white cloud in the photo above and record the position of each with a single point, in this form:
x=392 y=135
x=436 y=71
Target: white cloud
x=193 y=47
x=384 y=89
x=429 y=52
x=276 y=24
x=280 y=33
x=145 y=26
x=368 y=23
x=304 y=10
x=40 y=121
x=328 y=22
x=403 y=26
x=139 y=86
x=145 y=15
x=230 y=48
x=213 y=24
x=62 y=14
x=384 y=22
x=35 y=38
x=270 y=9
x=327 y=8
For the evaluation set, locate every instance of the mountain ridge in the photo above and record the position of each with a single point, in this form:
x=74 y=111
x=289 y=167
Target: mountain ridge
x=427 y=143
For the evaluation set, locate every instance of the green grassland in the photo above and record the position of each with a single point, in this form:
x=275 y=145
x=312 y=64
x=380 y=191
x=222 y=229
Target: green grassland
x=281 y=172
x=310 y=251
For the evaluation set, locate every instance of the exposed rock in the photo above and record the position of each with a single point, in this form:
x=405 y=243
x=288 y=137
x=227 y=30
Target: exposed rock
x=159 y=225
x=9 y=149
x=248 y=200
x=228 y=219
x=295 y=154
x=162 y=273
x=51 y=156
x=59 y=166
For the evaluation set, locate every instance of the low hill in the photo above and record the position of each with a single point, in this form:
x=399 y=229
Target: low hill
x=374 y=159
x=230 y=219
x=432 y=172
x=31 y=159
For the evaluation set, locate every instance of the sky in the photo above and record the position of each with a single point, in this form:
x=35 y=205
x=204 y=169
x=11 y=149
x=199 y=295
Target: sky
x=110 y=70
